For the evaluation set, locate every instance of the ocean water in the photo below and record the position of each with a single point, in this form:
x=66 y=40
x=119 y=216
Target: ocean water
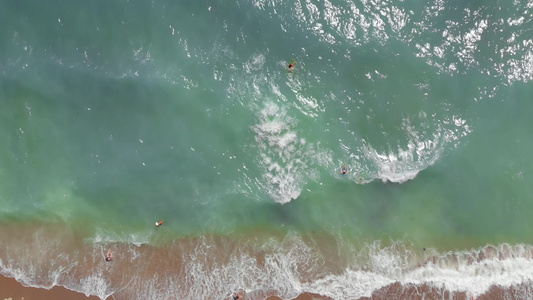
x=115 y=114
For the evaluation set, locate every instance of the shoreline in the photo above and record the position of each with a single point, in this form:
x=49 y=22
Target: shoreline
x=11 y=289
x=225 y=262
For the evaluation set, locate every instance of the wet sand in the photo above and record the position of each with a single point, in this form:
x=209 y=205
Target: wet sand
x=10 y=288
x=75 y=252
x=425 y=291
x=24 y=241
x=304 y=296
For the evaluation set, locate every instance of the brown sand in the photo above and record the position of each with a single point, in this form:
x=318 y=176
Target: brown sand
x=23 y=241
x=415 y=292
x=305 y=296
x=425 y=291
x=10 y=288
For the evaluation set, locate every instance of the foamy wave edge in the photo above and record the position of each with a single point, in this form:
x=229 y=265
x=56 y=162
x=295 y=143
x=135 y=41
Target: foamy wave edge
x=472 y=272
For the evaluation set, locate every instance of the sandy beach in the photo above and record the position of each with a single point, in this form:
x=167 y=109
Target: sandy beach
x=14 y=290
x=155 y=258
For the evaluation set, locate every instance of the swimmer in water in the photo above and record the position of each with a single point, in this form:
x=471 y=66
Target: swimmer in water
x=157 y=224
x=291 y=65
x=109 y=256
x=237 y=296
x=344 y=170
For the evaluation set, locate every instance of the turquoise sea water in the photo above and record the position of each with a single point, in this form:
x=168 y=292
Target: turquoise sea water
x=116 y=114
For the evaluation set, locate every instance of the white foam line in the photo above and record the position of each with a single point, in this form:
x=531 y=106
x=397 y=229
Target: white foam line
x=285 y=265
x=281 y=153
x=475 y=278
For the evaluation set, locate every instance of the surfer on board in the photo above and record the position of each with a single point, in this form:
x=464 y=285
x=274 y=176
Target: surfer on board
x=159 y=223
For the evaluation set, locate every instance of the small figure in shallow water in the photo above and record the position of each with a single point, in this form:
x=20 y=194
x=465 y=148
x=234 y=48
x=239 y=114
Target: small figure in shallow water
x=159 y=223
x=344 y=170
x=291 y=65
x=237 y=296
x=109 y=255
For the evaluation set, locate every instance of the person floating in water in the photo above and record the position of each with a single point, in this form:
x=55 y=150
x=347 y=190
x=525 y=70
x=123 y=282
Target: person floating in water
x=344 y=170
x=291 y=65
x=159 y=223
x=237 y=296
x=109 y=255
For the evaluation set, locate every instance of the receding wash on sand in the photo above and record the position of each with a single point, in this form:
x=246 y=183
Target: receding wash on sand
x=327 y=149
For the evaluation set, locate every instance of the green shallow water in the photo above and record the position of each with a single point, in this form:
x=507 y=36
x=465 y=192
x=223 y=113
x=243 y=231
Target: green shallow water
x=117 y=114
